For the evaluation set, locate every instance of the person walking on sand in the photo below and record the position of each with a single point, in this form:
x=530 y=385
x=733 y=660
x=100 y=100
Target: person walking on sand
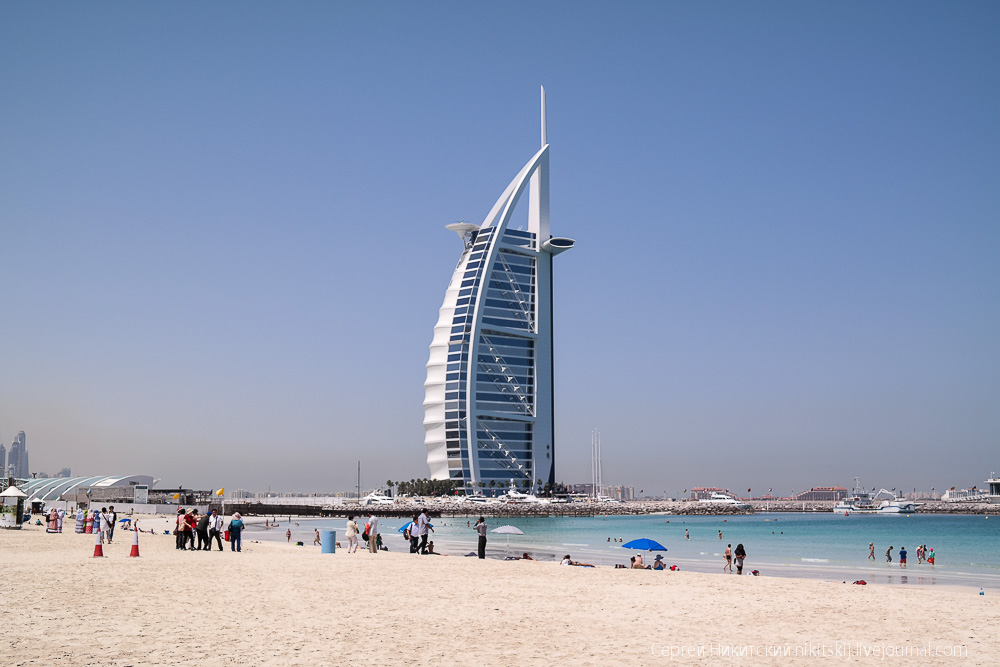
x=106 y=525
x=352 y=535
x=729 y=559
x=480 y=528
x=902 y=557
x=288 y=535
x=871 y=551
x=236 y=526
x=373 y=534
x=423 y=524
x=202 y=527
x=316 y=539
x=59 y=519
x=739 y=554
x=215 y=530
x=410 y=533
x=888 y=554
x=113 y=518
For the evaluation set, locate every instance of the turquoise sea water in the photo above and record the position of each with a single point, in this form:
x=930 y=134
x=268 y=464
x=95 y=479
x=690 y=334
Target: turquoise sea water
x=824 y=545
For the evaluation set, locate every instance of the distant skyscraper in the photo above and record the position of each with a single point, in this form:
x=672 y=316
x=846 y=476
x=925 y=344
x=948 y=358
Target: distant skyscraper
x=18 y=461
x=489 y=394
x=3 y=460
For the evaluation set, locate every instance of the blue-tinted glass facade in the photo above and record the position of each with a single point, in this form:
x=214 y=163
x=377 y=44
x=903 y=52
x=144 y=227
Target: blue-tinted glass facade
x=496 y=387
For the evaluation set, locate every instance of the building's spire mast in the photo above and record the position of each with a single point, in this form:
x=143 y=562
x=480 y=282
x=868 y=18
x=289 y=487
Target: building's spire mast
x=544 y=140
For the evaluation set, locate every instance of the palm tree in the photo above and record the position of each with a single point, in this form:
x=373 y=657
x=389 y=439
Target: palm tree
x=388 y=484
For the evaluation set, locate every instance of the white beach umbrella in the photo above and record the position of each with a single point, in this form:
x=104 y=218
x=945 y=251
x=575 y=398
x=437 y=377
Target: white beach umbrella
x=508 y=531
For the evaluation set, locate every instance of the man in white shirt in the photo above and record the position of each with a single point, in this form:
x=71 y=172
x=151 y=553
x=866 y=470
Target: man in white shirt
x=106 y=524
x=215 y=530
x=422 y=525
x=373 y=534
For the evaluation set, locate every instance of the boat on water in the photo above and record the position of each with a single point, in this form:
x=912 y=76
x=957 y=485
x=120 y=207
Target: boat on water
x=862 y=502
x=513 y=496
x=477 y=500
x=376 y=498
x=723 y=499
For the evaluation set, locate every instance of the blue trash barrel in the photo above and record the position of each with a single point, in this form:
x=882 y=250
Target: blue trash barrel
x=328 y=541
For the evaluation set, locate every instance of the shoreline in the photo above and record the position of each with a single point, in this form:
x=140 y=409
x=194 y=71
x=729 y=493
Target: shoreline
x=871 y=571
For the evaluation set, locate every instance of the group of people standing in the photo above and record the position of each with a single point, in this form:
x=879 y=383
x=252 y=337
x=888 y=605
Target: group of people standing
x=924 y=553
x=102 y=522
x=55 y=520
x=354 y=534
x=206 y=528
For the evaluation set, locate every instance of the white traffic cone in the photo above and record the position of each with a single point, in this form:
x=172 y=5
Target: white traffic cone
x=135 y=545
x=98 y=548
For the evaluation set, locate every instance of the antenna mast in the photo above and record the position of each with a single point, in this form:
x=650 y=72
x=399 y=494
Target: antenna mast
x=544 y=140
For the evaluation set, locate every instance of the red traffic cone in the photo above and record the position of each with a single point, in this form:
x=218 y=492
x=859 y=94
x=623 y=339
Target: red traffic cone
x=135 y=545
x=98 y=548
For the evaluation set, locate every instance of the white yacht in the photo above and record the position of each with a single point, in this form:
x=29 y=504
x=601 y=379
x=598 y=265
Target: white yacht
x=723 y=499
x=513 y=496
x=884 y=502
x=478 y=500
x=377 y=498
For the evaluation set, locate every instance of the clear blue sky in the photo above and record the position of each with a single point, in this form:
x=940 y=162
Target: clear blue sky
x=223 y=243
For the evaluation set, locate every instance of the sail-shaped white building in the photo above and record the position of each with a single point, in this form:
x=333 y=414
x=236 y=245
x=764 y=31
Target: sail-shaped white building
x=488 y=395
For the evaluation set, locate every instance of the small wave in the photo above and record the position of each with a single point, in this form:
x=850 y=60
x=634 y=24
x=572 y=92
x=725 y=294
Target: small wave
x=816 y=560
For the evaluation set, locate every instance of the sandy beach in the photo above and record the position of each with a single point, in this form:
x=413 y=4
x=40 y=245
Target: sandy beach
x=275 y=604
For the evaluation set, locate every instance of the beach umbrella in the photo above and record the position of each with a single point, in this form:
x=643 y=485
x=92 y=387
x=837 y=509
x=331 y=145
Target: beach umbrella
x=508 y=531
x=644 y=544
x=124 y=520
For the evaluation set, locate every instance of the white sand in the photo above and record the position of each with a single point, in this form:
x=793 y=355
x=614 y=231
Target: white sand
x=283 y=605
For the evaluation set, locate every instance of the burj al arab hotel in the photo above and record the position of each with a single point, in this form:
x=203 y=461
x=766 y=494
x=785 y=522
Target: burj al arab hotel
x=489 y=392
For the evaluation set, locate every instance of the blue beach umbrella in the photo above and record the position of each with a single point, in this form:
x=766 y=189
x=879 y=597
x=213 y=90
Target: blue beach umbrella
x=644 y=544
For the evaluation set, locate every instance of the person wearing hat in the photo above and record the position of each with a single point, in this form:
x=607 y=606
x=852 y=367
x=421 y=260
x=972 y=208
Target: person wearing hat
x=658 y=562
x=190 y=521
x=236 y=532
